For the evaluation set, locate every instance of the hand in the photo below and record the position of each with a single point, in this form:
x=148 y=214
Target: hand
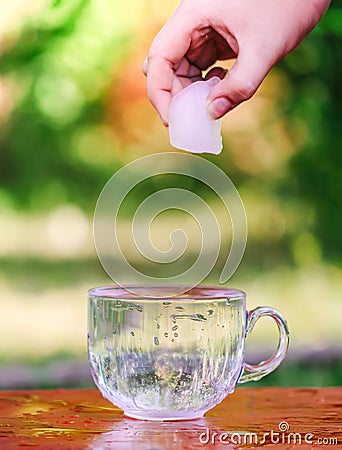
x=258 y=33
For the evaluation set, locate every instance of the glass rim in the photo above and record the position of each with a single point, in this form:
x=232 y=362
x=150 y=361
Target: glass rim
x=149 y=292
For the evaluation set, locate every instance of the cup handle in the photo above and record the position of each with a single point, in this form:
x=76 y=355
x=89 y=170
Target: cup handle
x=252 y=372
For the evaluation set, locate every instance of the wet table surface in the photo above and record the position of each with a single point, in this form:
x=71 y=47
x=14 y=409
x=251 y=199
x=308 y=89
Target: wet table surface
x=280 y=418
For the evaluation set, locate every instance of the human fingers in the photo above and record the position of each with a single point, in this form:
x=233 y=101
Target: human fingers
x=211 y=48
x=241 y=83
x=216 y=72
x=163 y=58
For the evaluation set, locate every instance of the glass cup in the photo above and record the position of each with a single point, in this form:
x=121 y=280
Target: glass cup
x=160 y=355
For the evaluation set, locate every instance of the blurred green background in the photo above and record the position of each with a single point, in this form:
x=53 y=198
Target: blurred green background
x=73 y=109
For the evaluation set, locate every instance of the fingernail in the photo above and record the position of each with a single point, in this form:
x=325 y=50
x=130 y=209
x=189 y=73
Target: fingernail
x=224 y=72
x=145 y=66
x=164 y=121
x=219 y=107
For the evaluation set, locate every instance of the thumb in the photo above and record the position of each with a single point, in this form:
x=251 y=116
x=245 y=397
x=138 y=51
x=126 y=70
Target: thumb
x=241 y=83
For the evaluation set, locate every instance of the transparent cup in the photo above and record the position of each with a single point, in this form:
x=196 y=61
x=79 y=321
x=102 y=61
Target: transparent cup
x=160 y=355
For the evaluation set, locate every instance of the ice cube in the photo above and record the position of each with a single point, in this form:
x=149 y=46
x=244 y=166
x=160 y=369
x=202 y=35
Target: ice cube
x=191 y=127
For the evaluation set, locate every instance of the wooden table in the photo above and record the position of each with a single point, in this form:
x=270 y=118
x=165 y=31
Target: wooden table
x=81 y=418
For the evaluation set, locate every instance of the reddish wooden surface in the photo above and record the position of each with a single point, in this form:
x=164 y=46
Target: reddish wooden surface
x=72 y=419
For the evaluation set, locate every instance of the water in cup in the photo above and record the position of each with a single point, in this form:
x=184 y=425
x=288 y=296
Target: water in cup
x=172 y=358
